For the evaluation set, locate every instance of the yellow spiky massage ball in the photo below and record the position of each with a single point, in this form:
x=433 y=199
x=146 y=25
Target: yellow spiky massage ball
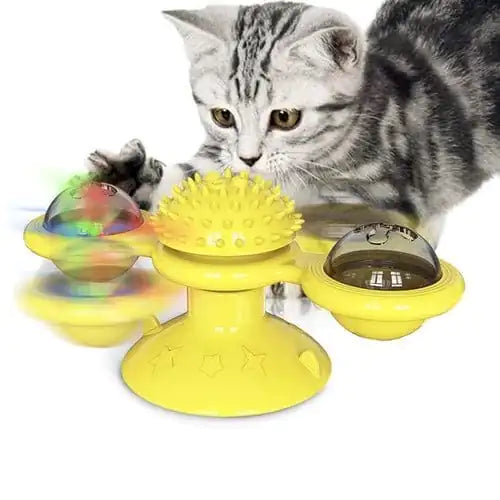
x=226 y=215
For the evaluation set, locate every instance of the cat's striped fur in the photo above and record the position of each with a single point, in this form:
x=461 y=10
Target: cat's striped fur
x=405 y=117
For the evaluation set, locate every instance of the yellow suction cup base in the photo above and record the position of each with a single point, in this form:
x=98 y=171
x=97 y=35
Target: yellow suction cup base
x=246 y=364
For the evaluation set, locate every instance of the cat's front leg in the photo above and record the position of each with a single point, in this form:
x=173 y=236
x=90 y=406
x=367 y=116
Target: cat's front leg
x=130 y=170
x=147 y=180
x=285 y=290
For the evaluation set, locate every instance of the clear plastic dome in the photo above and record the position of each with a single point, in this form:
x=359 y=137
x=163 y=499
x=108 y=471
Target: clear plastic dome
x=383 y=257
x=91 y=210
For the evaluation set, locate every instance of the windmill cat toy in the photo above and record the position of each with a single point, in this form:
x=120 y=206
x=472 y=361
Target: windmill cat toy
x=225 y=238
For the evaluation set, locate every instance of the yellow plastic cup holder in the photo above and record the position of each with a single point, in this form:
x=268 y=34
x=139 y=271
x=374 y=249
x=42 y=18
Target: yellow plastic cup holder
x=383 y=315
x=94 y=234
x=87 y=314
x=382 y=281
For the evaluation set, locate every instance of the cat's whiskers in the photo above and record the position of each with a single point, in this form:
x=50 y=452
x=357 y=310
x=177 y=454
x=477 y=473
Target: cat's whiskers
x=296 y=176
x=290 y=154
x=320 y=166
x=307 y=173
x=292 y=180
x=340 y=175
x=278 y=171
x=349 y=171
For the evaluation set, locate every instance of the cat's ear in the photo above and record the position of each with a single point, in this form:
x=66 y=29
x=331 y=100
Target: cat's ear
x=325 y=36
x=205 y=30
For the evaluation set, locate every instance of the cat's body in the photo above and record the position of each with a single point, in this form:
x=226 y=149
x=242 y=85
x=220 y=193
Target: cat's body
x=407 y=118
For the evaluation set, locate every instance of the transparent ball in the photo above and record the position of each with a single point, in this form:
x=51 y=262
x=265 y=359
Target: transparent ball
x=383 y=257
x=91 y=210
x=87 y=213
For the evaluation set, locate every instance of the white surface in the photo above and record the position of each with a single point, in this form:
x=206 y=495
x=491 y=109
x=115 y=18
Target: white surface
x=412 y=419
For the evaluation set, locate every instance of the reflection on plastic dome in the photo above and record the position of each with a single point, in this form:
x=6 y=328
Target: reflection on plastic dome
x=383 y=257
x=93 y=209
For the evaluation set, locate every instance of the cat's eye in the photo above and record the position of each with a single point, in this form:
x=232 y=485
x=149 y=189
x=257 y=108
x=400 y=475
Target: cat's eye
x=285 y=119
x=223 y=117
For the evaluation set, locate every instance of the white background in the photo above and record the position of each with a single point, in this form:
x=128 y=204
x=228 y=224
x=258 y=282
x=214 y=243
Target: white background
x=412 y=419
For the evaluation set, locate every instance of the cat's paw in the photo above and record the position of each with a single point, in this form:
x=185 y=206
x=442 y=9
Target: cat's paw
x=284 y=291
x=278 y=296
x=276 y=307
x=130 y=170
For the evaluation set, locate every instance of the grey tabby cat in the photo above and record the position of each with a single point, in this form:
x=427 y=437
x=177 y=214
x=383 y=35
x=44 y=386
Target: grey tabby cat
x=406 y=117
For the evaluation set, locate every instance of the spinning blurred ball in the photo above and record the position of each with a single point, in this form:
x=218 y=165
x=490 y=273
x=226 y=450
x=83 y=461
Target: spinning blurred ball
x=96 y=260
x=88 y=213
x=383 y=257
x=93 y=209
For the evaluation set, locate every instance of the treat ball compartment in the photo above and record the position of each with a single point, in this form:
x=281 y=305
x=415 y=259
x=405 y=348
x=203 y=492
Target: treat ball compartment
x=92 y=232
x=92 y=210
x=383 y=257
x=382 y=281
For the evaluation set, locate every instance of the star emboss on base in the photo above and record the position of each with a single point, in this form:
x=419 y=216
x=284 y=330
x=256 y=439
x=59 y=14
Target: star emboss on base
x=253 y=361
x=166 y=358
x=211 y=365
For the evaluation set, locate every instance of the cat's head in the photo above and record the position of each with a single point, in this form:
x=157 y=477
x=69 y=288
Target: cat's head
x=275 y=83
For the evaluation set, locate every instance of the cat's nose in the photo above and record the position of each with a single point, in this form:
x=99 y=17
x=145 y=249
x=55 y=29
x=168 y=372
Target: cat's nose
x=250 y=161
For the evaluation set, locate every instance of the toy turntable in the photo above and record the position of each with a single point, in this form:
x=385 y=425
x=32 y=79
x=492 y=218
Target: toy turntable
x=226 y=238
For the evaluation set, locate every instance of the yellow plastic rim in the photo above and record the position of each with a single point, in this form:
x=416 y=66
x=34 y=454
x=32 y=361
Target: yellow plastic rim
x=52 y=246
x=228 y=273
x=353 y=302
x=98 y=312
